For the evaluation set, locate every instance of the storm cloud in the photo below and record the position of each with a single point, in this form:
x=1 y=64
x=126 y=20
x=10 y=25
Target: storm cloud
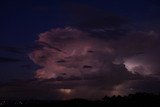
x=83 y=62
x=55 y=49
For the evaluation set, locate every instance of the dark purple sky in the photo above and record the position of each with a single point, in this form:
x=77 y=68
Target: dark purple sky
x=55 y=49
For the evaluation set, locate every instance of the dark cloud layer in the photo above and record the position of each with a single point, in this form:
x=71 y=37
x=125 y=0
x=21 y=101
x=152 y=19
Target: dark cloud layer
x=19 y=90
x=6 y=59
x=91 y=17
x=11 y=49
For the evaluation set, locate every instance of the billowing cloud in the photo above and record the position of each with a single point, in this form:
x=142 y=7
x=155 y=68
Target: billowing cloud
x=75 y=60
x=70 y=51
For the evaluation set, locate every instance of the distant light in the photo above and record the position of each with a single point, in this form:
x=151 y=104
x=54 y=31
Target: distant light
x=65 y=91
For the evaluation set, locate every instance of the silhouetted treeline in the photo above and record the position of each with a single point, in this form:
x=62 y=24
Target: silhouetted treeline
x=132 y=100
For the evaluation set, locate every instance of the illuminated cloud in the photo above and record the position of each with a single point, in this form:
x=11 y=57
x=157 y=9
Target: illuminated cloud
x=65 y=91
x=139 y=52
x=69 y=51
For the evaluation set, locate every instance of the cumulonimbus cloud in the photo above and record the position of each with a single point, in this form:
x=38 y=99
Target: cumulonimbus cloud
x=69 y=51
x=95 y=62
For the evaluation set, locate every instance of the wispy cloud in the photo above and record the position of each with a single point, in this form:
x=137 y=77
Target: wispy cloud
x=7 y=59
x=11 y=49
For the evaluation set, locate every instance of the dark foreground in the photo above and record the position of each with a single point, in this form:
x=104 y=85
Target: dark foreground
x=132 y=100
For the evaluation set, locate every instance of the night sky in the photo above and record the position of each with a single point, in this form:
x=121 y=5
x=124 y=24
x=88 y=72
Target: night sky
x=55 y=49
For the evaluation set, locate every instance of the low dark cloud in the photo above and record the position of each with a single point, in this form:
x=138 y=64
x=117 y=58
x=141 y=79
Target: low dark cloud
x=11 y=49
x=148 y=84
x=7 y=59
x=27 y=66
x=18 y=89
